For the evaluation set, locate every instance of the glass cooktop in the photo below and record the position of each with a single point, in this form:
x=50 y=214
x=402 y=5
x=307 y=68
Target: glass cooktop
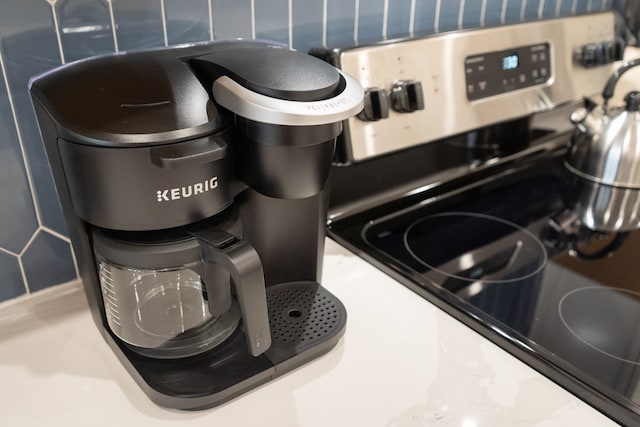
x=493 y=256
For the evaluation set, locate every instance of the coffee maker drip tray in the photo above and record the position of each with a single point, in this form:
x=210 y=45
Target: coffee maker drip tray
x=306 y=321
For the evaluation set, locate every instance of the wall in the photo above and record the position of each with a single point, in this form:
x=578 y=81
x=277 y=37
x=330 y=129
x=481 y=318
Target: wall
x=37 y=35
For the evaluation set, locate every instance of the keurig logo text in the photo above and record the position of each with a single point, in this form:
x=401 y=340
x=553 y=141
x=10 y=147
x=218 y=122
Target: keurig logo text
x=329 y=105
x=187 y=191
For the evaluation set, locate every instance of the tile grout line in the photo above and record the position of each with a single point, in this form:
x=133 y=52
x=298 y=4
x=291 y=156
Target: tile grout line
x=385 y=19
x=540 y=9
x=57 y=29
x=523 y=7
x=32 y=192
x=25 y=284
x=290 y=20
x=8 y=252
x=253 y=19
x=211 y=34
x=55 y=233
x=558 y=3
x=30 y=241
x=24 y=249
x=503 y=12
x=24 y=277
x=324 y=22
x=589 y=4
x=460 y=14
x=483 y=13
x=356 y=21
x=412 y=18
x=574 y=7
x=113 y=26
x=163 y=14
x=436 y=19
x=20 y=142
x=65 y=239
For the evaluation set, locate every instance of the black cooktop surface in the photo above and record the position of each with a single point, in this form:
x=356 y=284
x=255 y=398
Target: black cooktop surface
x=492 y=256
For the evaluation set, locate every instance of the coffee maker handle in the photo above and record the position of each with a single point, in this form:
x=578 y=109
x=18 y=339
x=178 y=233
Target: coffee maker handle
x=196 y=151
x=243 y=263
x=216 y=282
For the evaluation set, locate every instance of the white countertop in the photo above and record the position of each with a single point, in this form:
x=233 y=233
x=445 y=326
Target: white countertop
x=401 y=363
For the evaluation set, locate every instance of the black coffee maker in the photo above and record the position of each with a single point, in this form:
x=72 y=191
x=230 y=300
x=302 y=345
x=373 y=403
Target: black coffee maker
x=193 y=183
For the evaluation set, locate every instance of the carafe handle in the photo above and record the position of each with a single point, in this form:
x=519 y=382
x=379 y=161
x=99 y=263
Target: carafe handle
x=243 y=263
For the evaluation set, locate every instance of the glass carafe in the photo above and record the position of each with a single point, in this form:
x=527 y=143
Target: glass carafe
x=162 y=311
x=167 y=293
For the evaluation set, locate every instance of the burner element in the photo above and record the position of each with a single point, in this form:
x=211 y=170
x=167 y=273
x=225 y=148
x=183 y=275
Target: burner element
x=466 y=251
x=604 y=319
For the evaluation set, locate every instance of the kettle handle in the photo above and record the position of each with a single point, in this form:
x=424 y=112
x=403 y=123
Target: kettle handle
x=607 y=92
x=609 y=249
x=243 y=263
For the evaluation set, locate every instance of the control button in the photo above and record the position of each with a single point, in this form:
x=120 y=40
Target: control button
x=588 y=55
x=469 y=70
x=480 y=68
x=505 y=82
x=594 y=54
x=616 y=50
x=376 y=105
x=523 y=78
x=543 y=71
x=542 y=56
x=482 y=85
x=534 y=57
x=406 y=96
x=470 y=88
x=535 y=73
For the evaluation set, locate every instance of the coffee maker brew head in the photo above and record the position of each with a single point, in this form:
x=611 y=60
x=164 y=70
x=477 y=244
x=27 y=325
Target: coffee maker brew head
x=285 y=108
x=193 y=185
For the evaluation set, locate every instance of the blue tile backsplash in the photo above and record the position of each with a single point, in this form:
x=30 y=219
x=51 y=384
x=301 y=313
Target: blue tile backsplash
x=187 y=21
x=37 y=35
x=77 y=18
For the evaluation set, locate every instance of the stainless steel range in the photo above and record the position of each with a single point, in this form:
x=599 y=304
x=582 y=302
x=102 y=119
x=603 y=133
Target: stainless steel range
x=452 y=180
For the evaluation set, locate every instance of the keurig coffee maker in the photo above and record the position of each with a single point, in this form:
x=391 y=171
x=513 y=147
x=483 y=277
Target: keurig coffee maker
x=193 y=183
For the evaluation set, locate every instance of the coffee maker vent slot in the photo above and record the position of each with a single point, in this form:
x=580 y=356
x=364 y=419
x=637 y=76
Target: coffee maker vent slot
x=301 y=314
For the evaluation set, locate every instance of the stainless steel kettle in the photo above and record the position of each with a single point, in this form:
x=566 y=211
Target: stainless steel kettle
x=604 y=159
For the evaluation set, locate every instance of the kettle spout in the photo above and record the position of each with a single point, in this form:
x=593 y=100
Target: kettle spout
x=588 y=118
x=579 y=119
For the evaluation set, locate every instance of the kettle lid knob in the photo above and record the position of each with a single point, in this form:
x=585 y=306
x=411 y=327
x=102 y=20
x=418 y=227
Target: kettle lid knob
x=632 y=101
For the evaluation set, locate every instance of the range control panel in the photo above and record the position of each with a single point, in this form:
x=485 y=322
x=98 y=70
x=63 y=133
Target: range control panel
x=503 y=71
x=427 y=88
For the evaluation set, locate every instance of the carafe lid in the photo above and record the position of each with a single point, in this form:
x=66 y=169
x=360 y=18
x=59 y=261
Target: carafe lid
x=160 y=249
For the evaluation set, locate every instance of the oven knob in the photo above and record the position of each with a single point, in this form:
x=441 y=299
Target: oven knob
x=376 y=105
x=406 y=96
x=588 y=56
x=594 y=54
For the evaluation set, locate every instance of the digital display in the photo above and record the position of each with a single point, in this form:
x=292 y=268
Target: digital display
x=514 y=68
x=510 y=62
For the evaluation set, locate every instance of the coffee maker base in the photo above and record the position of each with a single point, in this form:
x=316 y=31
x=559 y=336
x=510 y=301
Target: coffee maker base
x=306 y=322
